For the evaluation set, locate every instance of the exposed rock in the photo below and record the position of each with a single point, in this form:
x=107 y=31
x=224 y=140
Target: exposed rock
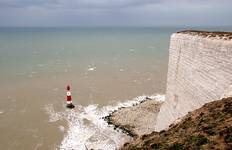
x=136 y=120
x=71 y=106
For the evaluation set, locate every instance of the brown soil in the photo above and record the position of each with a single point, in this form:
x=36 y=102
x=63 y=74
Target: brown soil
x=209 y=127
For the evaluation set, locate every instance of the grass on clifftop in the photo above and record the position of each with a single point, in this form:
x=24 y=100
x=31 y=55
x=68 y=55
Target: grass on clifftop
x=209 y=127
x=207 y=34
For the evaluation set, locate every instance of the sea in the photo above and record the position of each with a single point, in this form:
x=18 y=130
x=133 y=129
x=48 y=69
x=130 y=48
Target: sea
x=106 y=67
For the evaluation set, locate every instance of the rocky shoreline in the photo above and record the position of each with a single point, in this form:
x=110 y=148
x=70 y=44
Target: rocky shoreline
x=130 y=120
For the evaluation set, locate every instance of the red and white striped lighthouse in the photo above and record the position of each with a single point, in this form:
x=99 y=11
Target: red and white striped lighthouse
x=69 y=98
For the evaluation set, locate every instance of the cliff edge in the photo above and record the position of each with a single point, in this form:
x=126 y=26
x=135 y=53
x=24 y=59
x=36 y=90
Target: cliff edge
x=207 y=34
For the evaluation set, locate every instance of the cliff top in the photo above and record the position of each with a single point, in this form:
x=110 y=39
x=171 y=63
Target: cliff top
x=209 y=127
x=207 y=34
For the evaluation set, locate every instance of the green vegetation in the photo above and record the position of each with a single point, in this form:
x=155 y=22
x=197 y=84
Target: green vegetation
x=213 y=34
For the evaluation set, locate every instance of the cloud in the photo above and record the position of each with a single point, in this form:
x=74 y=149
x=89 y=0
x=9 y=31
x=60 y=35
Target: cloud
x=114 y=12
x=25 y=3
x=78 y=4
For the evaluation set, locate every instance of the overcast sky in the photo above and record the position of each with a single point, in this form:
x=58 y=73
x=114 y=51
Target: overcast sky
x=115 y=12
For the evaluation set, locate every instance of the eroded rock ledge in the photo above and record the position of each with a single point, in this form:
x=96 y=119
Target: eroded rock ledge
x=136 y=120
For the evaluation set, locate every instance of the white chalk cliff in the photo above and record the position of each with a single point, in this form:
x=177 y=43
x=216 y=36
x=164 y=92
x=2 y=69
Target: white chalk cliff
x=199 y=71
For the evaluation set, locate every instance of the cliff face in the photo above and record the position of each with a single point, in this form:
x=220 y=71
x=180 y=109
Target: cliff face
x=199 y=71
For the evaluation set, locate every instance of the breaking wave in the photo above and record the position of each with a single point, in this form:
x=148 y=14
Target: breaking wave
x=87 y=128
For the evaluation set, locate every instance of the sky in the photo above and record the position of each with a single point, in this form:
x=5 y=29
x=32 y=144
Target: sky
x=115 y=13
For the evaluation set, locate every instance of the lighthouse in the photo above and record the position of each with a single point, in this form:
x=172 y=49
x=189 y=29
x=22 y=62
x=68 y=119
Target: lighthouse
x=69 y=98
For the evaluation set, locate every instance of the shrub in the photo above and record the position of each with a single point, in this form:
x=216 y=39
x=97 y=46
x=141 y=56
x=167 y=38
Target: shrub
x=228 y=137
x=176 y=146
x=198 y=140
x=156 y=146
x=201 y=140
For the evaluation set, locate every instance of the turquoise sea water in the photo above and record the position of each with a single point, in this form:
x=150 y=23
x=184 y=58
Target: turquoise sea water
x=104 y=66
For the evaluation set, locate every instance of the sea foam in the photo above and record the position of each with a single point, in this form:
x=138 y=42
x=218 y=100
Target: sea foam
x=88 y=130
